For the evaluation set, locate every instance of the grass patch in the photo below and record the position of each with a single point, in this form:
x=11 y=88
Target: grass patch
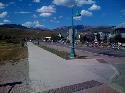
x=10 y=51
x=61 y=54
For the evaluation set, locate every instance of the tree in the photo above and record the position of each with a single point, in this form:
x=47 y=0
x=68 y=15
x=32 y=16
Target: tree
x=118 y=38
x=98 y=37
x=55 y=37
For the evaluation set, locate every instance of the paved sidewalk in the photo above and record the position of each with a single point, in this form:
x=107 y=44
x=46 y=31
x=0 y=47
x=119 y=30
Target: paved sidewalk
x=48 y=71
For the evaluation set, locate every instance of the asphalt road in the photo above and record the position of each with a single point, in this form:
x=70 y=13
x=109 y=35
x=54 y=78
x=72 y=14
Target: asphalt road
x=104 y=51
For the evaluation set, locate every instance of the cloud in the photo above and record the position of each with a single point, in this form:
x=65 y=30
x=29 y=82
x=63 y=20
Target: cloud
x=34 y=16
x=36 y=1
x=51 y=20
x=3 y=14
x=86 y=13
x=29 y=4
x=32 y=24
x=6 y=21
x=27 y=24
x=85 y=2
x=94 y=7
x=77 y=18
x=1 y=23
x=2 y=5
x=121 y=25
x=123 y=12
x=23 y=12
x=46 y=11
x=37 y=24
x=60 y=17
x=55 y=20
x=64 y=2
x=70 y=3
x=11 y=3
x=45 y=14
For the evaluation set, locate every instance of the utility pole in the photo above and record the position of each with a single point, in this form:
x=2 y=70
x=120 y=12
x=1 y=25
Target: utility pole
x=72 y=52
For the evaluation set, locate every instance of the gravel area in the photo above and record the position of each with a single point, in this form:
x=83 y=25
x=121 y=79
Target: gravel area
x=15 y=72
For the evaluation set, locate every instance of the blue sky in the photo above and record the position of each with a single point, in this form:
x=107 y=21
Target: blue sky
x=56 y=13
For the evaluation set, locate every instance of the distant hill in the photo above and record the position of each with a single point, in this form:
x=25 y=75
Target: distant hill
x=18 y=26
x=64 y=29
x=122 y=25
x=82 y=28
x=16 y=33
x=13 y=26
x=41 y=29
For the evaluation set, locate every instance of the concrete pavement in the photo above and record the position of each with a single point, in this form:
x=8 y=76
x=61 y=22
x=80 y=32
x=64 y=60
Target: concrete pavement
x=48 y=71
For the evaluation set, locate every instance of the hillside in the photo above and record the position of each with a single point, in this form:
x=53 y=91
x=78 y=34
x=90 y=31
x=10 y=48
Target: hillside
x=82 y=28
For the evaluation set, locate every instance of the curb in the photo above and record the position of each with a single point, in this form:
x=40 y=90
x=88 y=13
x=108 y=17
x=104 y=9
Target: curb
x=116 y=75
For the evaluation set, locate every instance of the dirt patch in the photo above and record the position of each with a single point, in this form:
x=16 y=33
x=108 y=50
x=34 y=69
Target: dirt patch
x=101 y=61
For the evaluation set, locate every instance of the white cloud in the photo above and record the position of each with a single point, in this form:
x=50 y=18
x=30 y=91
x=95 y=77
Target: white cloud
x=77 y=18
x=86 y=13
x=23 y=12
x=57 y=21
x=64 y=2
x=123 y=12
x=46 y=11
x=1 y=23
x=70 y=3
x=32 y=24
x=2 y=5
x=3 y=14
x=45 y=14
x=54 y=18
x=34 y=16
x=11 y=3
x=37 y=24
x=84 y=2
x=94 y=7
x=36 y=1
x=29 y=4
x=60 y=17
x=27 y=24
x=51 y=20
x=6 y=21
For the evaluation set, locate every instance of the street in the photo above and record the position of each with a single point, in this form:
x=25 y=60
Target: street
x=48 y=71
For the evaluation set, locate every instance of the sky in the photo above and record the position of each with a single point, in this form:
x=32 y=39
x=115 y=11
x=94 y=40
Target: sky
x=57 y=13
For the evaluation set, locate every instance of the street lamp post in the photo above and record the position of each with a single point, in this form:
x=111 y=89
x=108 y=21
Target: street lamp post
x=72 y=52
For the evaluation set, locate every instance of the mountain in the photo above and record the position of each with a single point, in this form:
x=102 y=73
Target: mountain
x=83 y=28
x=41 y=29
x=122 y=25
x=63 y=29
x=18 y=26
x=13 y=26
